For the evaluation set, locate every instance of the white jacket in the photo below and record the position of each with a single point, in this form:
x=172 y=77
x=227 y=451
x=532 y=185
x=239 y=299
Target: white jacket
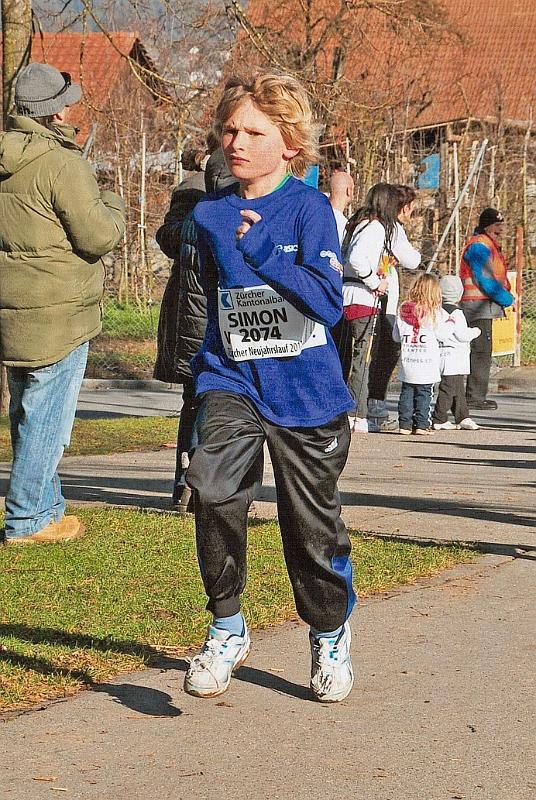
x=455 y=353
x=419 y=344
x=341 y=221
x=367 y=262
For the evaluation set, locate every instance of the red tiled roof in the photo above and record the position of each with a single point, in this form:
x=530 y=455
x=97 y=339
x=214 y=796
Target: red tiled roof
x=93 y=61
x=487 y=67
x=492 y=71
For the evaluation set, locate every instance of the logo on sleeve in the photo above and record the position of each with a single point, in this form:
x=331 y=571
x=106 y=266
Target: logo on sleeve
x=334 y=262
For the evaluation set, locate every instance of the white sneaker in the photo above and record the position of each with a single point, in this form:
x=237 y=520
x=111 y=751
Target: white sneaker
x=445 y=426
x=360 y=425
x=209 y=673
x=332 y=676
x=404 y=431
x=468 y=424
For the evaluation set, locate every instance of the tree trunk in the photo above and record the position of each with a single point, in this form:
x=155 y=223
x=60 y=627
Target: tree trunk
x=17 y=46
x=16 y=50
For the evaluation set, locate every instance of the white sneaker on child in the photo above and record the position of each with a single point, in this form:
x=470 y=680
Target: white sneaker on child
x=445 y=426
x=468 y=424
x=332 y=676
x=209 y=673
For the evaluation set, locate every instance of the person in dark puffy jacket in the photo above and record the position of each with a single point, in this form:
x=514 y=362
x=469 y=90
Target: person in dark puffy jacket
x=55 y=225
x=183 y=315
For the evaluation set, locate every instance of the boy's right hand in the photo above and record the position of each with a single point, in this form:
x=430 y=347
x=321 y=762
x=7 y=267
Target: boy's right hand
x=250 y=218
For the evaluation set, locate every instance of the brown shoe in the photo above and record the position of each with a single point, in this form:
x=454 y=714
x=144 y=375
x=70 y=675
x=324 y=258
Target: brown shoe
x=66 y=529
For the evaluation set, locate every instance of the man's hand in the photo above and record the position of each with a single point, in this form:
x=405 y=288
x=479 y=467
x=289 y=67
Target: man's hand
x=249 y=219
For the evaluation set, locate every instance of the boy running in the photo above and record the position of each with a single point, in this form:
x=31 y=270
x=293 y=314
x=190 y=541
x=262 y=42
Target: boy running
x=268 y=372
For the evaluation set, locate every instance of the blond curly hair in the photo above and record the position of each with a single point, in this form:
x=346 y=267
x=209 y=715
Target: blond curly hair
x=285 y=102
x=426 y=294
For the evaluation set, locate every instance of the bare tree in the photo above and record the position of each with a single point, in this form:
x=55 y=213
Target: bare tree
x=17 y=44
x=16 y=48
x=361 y=60
x=322 y=42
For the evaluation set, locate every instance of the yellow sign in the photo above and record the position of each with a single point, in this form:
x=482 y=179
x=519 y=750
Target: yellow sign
x=504 y=329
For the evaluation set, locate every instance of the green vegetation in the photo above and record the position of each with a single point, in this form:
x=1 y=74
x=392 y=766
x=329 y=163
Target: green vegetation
x=130 y=320
x=128 y=359
x=127 y=346
x=92 y=437
x=528 y=340
x=75 y=614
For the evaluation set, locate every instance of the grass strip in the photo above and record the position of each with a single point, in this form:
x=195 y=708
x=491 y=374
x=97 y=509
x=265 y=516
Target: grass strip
x=92 y=437
x=130 y=320
x=76 y=614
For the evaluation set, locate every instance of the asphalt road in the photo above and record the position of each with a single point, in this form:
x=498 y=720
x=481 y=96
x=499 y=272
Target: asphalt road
x=444 y=703
x=452 y=485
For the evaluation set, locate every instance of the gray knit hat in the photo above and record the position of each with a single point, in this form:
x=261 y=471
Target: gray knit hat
x=451 y=288
x=42 y=91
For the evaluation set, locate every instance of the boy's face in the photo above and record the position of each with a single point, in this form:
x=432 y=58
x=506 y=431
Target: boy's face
x=253 y=145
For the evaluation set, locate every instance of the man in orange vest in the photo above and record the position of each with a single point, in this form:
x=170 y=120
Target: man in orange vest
x=486 y=293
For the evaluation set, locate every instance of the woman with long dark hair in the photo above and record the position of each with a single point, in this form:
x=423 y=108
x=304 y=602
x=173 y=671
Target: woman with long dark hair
x=375 y=242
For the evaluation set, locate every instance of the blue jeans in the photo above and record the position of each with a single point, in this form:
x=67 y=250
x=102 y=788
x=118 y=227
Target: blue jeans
x=41 y=414
x=415 y=406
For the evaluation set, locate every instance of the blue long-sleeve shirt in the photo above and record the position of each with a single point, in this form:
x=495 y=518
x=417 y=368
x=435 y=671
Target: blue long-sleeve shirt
x=478 y=256
x=271 y=298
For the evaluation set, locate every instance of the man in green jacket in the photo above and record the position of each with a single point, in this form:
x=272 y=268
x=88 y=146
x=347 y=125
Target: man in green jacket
x=55 y=225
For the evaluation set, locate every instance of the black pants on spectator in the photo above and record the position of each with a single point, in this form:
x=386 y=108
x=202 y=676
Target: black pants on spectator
x=478 y=380
x=342 y=337
x=451 y=397
x=384 y=355
x=186 y=436
x=359 y=375
x=225 y=472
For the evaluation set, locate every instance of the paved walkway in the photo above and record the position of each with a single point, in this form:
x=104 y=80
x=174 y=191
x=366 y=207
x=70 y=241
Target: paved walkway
x=465 y=485
x=444 y=703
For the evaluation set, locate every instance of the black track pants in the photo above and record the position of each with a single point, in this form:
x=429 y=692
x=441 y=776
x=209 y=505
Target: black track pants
x=362 y=329
x=451 y=397
x=384 y=356
x=481 y=348
x=225 y=472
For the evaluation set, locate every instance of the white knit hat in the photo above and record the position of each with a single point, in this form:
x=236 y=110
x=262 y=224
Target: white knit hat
x=451 y=288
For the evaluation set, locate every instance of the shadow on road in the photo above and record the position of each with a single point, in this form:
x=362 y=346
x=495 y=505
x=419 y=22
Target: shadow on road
x=276 y=683
x=424 y=505
x=490 y=448
x=142 y=699
x=147 y=493
x=503 y=463
x=525 y=551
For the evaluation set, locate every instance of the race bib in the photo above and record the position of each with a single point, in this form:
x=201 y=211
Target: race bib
x=256 y=322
